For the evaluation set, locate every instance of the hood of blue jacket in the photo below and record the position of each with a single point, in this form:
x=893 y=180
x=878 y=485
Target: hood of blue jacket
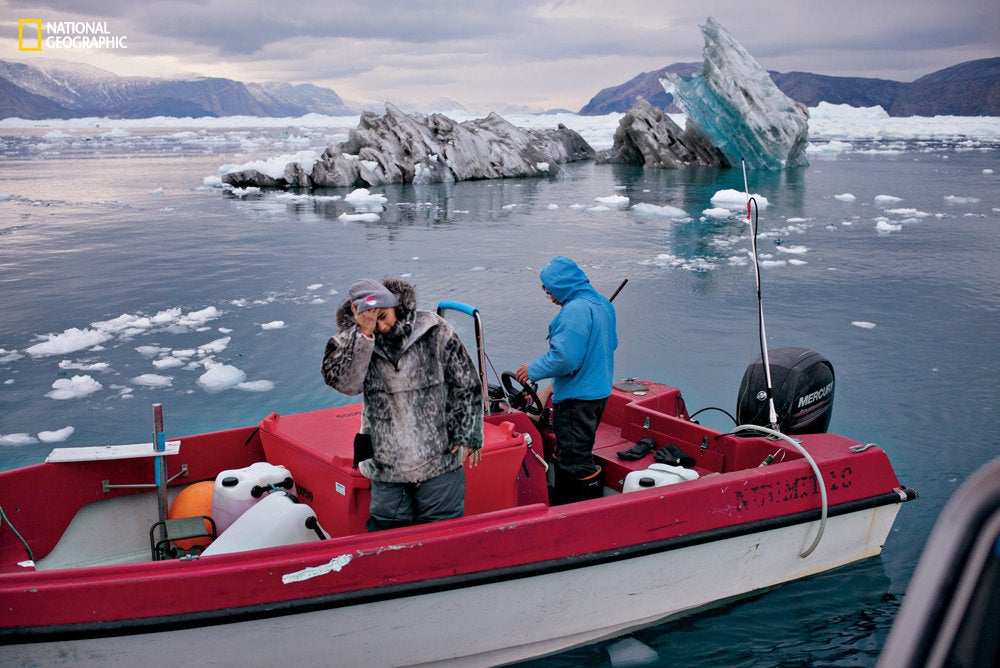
x=564 y=279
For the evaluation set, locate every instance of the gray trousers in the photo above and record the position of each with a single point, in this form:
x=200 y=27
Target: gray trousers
x=398 y=504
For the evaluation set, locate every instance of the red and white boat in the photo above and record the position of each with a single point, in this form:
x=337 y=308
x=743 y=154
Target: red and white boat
x=513 y=579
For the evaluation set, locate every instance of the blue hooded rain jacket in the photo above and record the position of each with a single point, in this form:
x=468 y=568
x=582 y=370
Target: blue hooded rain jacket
x=582 y=337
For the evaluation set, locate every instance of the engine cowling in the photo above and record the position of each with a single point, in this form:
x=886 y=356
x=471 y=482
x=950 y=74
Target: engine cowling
x=802 y=384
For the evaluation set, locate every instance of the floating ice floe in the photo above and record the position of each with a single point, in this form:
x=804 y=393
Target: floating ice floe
x=256 y=386
x=653 y=211
x=69 y=341
x=688 y=264
x=630 y=652
x=213 y=347
x=717 y=212
x=73 y=388
x=243 y=193
x=863 y=324
x=883 y=226
x=221 y=377
x=364 y=201
x=845 y=197
x=794 y=250
x=83 y=366
x=956 y=199
x=15 y=440
x=153 y=380
x=618 y=201
x=736 y=199
x=56 y=436
x=168 y=363
x=151 y=351
x=274 y=324
x=887 y=200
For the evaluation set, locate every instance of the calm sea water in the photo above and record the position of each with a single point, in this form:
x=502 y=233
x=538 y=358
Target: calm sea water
x=117 y=233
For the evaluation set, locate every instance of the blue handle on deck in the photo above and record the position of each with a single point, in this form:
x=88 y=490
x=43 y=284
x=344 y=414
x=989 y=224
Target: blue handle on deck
x=457 y=306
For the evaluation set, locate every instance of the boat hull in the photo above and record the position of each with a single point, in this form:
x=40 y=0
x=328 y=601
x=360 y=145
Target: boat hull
x=507 y=615
x=513 y=579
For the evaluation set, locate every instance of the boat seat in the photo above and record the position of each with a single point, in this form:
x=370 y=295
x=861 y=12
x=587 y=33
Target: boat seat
x=180 y=529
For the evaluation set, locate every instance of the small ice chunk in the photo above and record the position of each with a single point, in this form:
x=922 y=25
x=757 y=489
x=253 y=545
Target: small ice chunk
x=256 y=386
x=14 y=440
x=620 y=201
x=654 y=211
x=153 y=380
x=631 y=652
x=76 y=387
x=887 y=200
x=56 y=436
x=70 y=341
x=221 y=377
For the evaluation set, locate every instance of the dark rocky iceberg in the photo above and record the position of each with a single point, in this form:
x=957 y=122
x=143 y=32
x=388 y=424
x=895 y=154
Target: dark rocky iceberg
x=403 y=148
x=647 y=136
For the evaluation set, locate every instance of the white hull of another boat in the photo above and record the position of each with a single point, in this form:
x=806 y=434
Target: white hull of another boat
x=509 y=618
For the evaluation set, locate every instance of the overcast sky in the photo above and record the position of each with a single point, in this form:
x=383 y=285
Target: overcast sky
x=541 y=54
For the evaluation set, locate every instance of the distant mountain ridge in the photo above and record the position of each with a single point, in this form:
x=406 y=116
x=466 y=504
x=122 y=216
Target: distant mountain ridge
x=56 y=89
x=47 y=88
x=967 y=89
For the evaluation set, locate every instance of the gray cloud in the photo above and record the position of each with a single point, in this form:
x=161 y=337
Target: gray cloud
x=548 y=54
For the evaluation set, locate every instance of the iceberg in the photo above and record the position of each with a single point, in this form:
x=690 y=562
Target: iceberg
x=733 y=104
x=407 y=148
x=647 y=136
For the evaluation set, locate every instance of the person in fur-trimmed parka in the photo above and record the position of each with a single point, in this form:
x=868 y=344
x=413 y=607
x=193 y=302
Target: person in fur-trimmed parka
x=423 y=406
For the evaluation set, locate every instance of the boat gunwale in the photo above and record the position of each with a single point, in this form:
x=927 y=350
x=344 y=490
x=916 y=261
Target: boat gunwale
x=293 y=606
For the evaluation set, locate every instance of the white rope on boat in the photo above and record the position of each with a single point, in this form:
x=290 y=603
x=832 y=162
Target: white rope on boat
x=819 y=477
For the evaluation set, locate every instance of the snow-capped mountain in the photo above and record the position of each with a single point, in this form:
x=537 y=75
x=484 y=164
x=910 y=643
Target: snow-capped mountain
x=48 y=88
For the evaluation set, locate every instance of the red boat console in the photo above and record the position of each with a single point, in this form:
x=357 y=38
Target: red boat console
x=317 y=448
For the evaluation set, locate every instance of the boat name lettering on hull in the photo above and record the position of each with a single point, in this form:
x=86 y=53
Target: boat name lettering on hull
x=783 y=491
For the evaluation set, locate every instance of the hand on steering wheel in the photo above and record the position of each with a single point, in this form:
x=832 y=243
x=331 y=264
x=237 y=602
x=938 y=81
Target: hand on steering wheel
x=521 y=396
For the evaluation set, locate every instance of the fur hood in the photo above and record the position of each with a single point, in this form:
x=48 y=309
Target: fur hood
x=406 y=307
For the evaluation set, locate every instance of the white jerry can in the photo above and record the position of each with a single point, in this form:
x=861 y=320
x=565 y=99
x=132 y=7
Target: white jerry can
x=277 y=519
x=657 y=475
x=236 y=490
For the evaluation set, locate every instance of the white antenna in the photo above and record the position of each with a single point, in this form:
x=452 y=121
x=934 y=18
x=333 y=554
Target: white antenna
x=772 y=413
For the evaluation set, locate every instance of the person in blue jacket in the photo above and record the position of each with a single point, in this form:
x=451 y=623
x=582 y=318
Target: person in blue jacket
x=580 y=362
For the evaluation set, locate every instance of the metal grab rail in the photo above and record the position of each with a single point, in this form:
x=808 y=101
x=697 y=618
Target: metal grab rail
x=480 y=347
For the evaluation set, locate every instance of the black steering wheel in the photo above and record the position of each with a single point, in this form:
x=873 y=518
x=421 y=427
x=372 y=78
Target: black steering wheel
x=522 y=397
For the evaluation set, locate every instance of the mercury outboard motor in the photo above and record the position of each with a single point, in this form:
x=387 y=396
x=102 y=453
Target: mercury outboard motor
x=802 y=382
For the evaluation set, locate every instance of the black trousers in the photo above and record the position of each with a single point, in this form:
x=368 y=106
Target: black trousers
x=574 y=422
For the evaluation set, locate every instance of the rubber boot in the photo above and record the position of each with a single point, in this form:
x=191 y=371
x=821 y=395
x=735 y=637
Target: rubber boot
x=589 y=487
x=569 y=489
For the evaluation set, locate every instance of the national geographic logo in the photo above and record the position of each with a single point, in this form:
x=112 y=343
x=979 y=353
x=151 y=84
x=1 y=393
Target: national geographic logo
x=32 y=34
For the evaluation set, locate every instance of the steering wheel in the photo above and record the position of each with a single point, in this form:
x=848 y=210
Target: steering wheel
x=521 y=397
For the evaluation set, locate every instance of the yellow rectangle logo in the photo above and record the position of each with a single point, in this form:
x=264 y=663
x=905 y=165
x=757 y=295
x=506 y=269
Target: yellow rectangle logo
x=32 y=44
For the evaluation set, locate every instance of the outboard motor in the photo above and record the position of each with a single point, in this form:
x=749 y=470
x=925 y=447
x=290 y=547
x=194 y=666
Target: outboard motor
x=802 y=382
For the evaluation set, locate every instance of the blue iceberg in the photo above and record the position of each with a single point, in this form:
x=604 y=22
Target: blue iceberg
x=734 y=105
